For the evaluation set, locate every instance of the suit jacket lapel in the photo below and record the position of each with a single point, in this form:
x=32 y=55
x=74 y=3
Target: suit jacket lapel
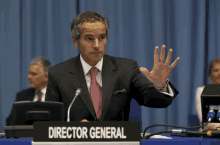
x=108 y=81
x=78 y=79
x=30 y=94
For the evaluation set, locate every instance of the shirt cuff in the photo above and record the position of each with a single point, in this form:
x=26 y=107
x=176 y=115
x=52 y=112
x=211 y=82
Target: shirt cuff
x=171 y=94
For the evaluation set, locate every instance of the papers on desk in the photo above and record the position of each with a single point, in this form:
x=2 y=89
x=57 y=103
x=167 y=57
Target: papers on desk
x=157 y=136
x=2 y=135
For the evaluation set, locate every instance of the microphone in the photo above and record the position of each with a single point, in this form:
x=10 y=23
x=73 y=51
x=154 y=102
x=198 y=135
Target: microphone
x=78 y=91
x=211 y=115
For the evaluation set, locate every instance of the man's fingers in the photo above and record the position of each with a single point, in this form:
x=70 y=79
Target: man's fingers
x=156 y=57
x=167 y=62
x=175 y=62
x=142 y=69
x=84 y=120
x=146 y=72
x=162 y=53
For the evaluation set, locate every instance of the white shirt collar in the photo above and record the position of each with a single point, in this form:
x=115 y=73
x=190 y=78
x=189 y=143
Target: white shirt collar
x=43 y=90
x=86 y=67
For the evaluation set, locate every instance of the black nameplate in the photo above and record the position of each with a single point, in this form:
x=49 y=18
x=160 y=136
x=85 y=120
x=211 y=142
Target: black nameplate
x=86 y=131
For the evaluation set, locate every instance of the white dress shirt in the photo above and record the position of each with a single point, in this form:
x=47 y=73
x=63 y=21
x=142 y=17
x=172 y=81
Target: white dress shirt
x=86 y=67
x=198 y=103
x=43 y=91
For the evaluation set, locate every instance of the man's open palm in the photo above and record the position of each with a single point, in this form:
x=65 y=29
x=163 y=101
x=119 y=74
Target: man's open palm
x=161 y=70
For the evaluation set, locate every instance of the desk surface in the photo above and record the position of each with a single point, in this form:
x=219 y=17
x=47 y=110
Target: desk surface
x=174 y=141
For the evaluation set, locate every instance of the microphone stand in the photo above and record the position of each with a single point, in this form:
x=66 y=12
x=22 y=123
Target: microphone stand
x=78 y=91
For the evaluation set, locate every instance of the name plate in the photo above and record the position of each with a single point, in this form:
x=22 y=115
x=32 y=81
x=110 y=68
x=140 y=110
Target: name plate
x=62 y=131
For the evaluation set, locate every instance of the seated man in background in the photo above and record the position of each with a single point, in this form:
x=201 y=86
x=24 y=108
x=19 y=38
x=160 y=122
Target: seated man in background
x=213 y=73
x=38 y=78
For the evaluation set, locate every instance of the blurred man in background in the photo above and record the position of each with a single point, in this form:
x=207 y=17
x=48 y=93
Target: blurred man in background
x=213 y=73
x=38 y=78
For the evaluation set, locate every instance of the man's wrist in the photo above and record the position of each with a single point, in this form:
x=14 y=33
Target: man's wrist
x=162 y=88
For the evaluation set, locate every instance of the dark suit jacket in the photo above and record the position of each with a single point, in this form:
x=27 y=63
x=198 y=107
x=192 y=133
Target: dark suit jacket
x=25 y=95
x=117 y=74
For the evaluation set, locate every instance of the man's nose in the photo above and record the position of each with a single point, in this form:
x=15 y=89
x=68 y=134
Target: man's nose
x=96 y=44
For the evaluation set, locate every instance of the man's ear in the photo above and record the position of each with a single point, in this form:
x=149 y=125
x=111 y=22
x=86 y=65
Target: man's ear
x=46 y=75
x=75 y=42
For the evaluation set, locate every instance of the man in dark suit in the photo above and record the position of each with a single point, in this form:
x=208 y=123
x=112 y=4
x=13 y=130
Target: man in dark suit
x=38 y=78
x=107 y=93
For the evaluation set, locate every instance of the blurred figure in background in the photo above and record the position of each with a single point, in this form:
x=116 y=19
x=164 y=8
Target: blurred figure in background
x=38 y=78
x=213 y=73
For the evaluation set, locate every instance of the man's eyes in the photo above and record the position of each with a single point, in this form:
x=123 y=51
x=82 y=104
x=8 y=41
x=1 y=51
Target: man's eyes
x=216 y=70
x=33 y=74
x=102 y=37
x=89 y=38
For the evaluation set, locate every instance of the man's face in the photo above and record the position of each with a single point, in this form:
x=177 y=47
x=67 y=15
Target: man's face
x=215 y=73
x=92 y=41
x=37 y=78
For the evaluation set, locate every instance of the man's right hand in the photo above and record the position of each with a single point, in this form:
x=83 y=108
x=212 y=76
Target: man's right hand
x=84 y=120
x=211 y=126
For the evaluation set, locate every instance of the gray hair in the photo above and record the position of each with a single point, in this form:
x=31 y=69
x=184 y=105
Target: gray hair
x=209 y=70
x=42 y=60
x=89 y=16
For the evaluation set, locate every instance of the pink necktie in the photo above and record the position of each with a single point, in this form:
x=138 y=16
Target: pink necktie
x=40 y=95
x=96 y=92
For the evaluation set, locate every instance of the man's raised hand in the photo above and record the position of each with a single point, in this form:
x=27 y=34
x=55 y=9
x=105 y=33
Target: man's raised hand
x=161 y=70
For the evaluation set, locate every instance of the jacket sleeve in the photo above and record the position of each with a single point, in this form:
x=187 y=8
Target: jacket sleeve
x=145 y=93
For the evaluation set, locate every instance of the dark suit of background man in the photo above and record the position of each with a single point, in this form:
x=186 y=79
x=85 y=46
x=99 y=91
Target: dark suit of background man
x=38 y=78
x=120 y=79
